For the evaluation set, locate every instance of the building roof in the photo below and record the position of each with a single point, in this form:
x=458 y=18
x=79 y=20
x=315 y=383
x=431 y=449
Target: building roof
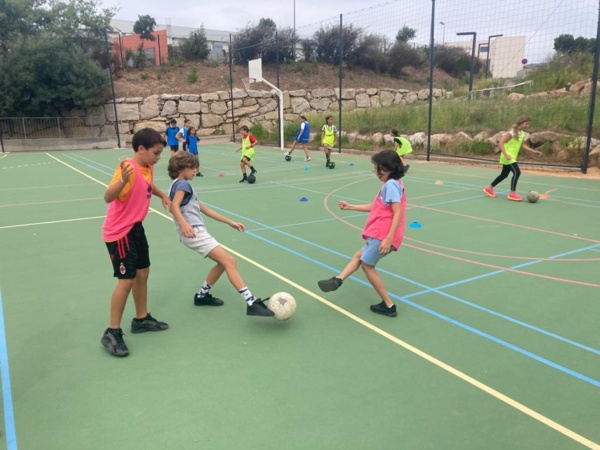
x=174 y=31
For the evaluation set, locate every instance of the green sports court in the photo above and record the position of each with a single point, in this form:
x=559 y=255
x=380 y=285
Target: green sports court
x=496 y=344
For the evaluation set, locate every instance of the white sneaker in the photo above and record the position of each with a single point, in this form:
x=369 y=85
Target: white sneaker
x=306 y=159
x=287 y=154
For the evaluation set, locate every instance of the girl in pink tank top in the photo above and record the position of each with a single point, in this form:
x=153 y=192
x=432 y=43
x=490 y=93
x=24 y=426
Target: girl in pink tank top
x=383 y=231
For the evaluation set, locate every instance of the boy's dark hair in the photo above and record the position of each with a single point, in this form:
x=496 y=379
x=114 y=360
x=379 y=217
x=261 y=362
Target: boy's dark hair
x=395 y=132
x=173 y=121
x=390 y=161
x=147 y=137
x=328 y=117
x=180 y=161
x=304 y=118
x=245 y=128
x=187 y=121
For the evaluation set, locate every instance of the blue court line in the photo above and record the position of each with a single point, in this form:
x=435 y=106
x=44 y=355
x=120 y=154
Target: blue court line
x=480 y=333
x=503 y=316
x=420 y=307
x=9 y=416
x=429 y=289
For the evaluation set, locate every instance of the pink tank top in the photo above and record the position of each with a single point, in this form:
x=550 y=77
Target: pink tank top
x=122 y=215
x=380 y=220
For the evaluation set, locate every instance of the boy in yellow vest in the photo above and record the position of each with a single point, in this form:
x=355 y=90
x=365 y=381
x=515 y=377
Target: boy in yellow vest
x=247 y=148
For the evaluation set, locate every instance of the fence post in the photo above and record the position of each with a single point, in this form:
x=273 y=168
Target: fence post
x=341 y=76
x=588 y=142
x=431 y=63
x=112 y=88
x=58 y=126
x=24 y=130
x=231 y=89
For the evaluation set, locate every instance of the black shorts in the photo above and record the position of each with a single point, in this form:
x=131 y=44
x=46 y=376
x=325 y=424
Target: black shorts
x=174 y=148
x=129 y=253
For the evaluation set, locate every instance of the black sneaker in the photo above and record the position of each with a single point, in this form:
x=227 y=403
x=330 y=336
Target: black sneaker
x=243 y=179
x=381 y=308
x=253 y=171
x=327 y=163
x=207 y=300
x=330 y=285
x=406 y=167
x=114 y=343
x=148 y=324
x=199 y=174
x=258 y=308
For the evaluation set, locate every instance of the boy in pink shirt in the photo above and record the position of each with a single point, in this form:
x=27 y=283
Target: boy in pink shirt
x=383 y=231
x=128 y=197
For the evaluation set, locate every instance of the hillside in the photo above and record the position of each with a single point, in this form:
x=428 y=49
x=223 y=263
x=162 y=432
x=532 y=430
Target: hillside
x=174 y=79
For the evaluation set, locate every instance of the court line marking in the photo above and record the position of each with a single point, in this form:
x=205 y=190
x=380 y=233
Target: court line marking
x=463 y=376
x=51 y=202
x=445 y=318
x=51 y=222
x=483 y=387
x=9 y=414
x=425 y=288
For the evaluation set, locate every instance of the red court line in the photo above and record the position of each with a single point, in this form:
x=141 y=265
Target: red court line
x=457 y=258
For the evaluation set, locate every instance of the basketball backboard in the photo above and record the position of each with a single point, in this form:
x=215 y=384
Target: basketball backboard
x=255 y=69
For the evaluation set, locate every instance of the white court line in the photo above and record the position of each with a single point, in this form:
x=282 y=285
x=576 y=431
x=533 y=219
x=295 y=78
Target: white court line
x=51 y=202
x=50 y=222
x=463 y=376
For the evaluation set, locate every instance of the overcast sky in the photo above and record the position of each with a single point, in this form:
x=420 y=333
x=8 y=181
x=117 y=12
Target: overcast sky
x=230 y=15
x=540 y=21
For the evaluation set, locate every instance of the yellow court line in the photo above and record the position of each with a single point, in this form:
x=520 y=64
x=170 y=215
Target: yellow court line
x=463 y=376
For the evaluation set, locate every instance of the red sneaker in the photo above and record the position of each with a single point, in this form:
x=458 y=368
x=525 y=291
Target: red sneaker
x=515 y=197
x=489 y=191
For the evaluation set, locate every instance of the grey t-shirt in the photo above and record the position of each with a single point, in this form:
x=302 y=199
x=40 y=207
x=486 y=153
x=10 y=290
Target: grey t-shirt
x=190 y=206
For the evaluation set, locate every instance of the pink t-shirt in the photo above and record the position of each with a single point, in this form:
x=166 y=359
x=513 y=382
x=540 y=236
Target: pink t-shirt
x=122 y=215
x=380 y=218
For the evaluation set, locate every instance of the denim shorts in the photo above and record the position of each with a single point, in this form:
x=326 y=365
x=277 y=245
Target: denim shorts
x=370 y=252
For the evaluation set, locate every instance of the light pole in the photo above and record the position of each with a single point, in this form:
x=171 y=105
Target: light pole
x=443 y=33
x=474 y=34
x=487 y=58
x=294 y=35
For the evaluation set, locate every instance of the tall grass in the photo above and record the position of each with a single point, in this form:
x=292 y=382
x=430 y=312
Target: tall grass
x=568 y=115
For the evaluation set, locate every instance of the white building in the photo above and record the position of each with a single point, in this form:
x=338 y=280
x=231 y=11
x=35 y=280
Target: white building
x=218 y=40
x=506 y=54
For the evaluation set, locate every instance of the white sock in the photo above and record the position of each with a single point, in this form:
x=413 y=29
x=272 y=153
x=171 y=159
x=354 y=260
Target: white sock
x=205 y=289
x=247 y=295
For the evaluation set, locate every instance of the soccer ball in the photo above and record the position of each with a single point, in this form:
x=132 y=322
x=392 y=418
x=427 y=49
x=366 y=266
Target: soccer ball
x=332 y=165
x=533 y=196
x=251 y=179
x=283 y=305
x=288 y=157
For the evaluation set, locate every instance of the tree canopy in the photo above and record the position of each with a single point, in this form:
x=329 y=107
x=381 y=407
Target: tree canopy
x=566 y=43
x=144 y=26
x=52 y=55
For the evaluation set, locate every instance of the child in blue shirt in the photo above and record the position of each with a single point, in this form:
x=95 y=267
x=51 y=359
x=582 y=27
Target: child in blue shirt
x=192 y=144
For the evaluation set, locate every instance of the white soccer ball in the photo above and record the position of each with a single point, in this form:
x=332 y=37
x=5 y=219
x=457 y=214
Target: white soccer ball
x=283 y=305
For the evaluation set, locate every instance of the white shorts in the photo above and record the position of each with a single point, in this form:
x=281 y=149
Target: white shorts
x=202 y=243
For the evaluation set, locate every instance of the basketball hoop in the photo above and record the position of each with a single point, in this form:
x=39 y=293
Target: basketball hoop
x=247 y=82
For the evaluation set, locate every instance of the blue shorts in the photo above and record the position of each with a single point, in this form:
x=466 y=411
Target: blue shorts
x=370 y=252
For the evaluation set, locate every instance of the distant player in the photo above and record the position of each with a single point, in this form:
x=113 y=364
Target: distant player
x=182 y=134
x=302 y=137
x=402 y=146
x=192 y=144
x=171 y=133
x=328 y=134
x=247 y=148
